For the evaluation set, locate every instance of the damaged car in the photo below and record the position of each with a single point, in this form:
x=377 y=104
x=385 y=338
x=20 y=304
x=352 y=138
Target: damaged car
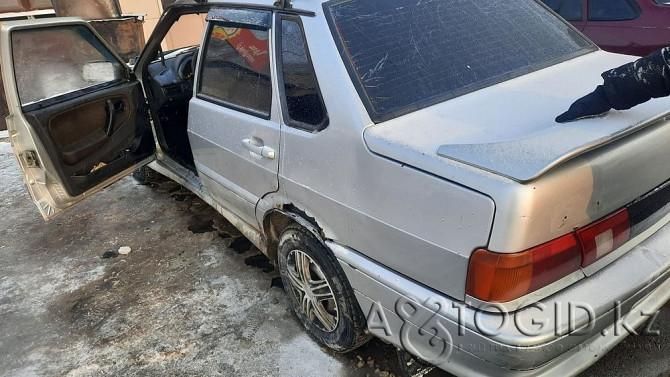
x=399 y=161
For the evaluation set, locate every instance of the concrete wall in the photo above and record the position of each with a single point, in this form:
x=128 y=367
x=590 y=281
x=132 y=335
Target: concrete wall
x=152 y=8
x=16 y=6
x=187 y=32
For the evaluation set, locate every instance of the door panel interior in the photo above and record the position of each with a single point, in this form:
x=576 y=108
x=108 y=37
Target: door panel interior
x=79 y=131
x=78 y=119
x=92 y=137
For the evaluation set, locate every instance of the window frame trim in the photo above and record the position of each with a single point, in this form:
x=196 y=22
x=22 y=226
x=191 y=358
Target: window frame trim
x=218 y=101
x=279 y=61
x=384 y=117
x=47 y=102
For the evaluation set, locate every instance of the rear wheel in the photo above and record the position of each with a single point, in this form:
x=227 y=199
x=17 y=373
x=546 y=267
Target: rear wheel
x=319 y=292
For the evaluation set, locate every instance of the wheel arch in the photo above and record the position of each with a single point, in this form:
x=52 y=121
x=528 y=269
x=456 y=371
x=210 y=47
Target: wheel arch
x=277 y=220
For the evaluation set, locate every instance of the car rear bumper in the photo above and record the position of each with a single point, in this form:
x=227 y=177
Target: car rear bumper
x=562 y=335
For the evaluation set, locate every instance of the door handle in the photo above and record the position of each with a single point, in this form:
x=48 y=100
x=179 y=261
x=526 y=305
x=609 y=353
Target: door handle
x=112 y=109
x=262 y=151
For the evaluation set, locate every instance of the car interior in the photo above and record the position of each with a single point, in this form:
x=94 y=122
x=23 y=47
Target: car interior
x=171 y=88
x=171 y=76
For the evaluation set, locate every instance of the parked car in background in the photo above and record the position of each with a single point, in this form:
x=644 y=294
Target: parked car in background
x=398 y=160
x=632 y=27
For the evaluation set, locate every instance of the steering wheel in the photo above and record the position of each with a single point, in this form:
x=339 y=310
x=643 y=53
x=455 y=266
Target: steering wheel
x=186 y=68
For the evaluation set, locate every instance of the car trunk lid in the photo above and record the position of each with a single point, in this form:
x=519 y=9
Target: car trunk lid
x=509 y=129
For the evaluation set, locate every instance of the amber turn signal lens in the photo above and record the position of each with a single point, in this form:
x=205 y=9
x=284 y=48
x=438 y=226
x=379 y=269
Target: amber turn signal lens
x=496 y=277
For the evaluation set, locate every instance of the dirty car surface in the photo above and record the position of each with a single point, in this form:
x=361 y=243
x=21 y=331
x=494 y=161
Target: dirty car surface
x=397 y=161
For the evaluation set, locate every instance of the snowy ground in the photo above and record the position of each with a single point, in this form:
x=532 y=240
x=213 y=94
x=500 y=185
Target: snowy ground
x=191 y=298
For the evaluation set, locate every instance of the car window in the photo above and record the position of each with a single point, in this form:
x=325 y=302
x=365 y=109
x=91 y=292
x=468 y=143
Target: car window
x=236 y=69
x=187 y=31
x=53 y=61
x=612 y=10
x=302 y=99
x=404 y=57
x=571 y=10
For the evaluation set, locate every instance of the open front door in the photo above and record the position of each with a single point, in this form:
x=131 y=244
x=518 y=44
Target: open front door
x=78 y=119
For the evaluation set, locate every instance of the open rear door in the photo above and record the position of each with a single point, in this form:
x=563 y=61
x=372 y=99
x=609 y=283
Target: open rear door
x=78 y=119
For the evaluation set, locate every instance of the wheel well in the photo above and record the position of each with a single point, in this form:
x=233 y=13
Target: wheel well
x=277 y=220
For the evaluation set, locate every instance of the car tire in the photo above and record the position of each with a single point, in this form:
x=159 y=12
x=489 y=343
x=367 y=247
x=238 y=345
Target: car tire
x=327 y=307
x=145 y=175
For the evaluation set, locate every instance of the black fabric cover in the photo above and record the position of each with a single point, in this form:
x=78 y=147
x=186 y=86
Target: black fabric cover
x=640 y=81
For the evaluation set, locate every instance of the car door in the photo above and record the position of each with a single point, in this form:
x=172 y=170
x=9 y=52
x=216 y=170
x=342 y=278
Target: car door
x=233 y=124
x=77 y=120
x=612 y=25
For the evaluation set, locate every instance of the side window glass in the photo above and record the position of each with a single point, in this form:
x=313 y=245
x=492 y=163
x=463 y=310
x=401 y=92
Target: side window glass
x=612 y=10
x=303 y=103
x=555 y=5
x=571 y=10
x=49 y=62
x=236 y=69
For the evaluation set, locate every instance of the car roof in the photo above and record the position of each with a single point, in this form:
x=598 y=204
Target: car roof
x=308 y=5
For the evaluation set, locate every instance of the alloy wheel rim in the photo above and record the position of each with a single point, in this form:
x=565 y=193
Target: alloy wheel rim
x=311 y=288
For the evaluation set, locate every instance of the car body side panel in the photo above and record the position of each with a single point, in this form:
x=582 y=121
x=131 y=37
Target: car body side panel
x=216 y=135
x=641 y=36
x=410 y=221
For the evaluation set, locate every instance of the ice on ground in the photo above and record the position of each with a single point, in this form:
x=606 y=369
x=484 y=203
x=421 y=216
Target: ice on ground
x=299 y=357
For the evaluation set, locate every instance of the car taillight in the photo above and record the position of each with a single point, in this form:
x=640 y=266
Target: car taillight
x=497 y=277
x=604 y=236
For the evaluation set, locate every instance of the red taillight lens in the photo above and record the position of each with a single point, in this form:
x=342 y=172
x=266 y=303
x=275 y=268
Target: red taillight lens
x=603 y=237
x=498 y=277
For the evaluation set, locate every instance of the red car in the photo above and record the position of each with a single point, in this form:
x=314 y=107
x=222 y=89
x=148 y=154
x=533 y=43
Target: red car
x=633 y=27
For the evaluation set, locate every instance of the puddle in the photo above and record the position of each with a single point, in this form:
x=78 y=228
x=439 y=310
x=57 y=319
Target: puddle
x=226 y=229
x=110 y=254
x=260 y=261
x=199 y=226
x=277 y=282
x=174 y=189
x=241 y=245
x=180 y=197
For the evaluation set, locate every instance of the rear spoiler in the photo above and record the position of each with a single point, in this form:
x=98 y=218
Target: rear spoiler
x=530 y=157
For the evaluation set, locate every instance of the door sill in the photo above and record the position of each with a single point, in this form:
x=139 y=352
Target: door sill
x=191 y=181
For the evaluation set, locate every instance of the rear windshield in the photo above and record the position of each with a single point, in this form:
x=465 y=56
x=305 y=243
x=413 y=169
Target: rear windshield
x=405 y=55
